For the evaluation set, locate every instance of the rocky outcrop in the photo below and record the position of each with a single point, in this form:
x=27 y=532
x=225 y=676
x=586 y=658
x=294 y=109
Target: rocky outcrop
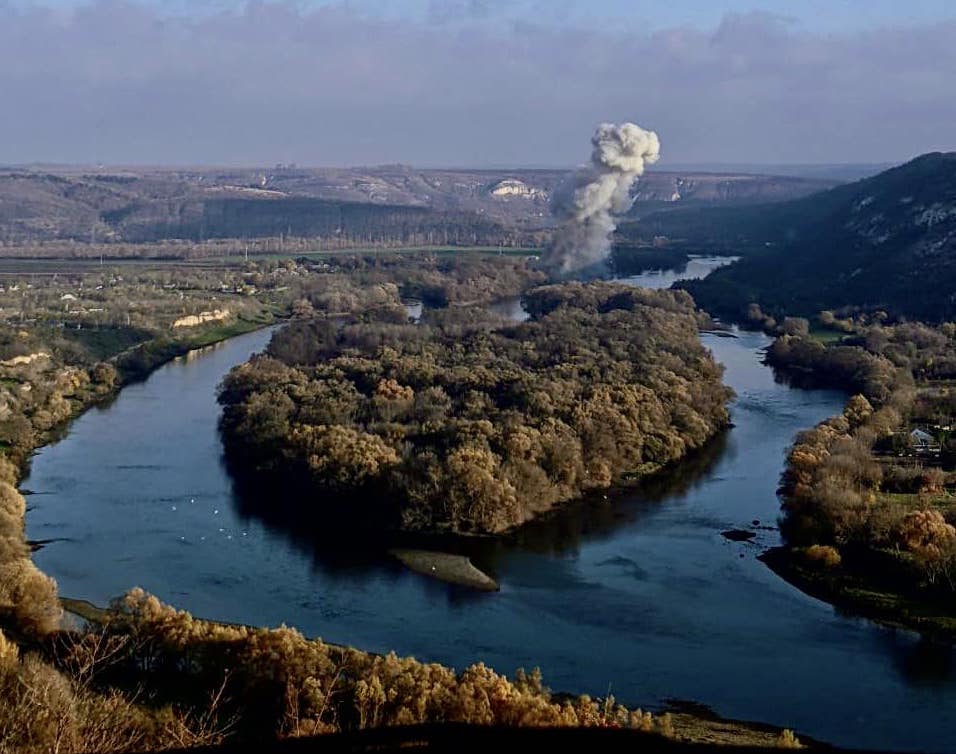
x=193 y=320
x=19 y=361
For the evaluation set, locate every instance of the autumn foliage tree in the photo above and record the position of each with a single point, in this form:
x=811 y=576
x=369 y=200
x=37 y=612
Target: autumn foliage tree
x=473 y=424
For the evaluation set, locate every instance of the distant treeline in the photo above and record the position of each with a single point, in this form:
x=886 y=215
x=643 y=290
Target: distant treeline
x=632 y=259
x=347 y=223
x=331 y=223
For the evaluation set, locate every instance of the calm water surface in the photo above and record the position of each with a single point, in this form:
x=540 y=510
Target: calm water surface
x=697 y=268
x=643 y=594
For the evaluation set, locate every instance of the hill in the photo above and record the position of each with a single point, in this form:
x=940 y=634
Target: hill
x=884 y=243
x=394 y=204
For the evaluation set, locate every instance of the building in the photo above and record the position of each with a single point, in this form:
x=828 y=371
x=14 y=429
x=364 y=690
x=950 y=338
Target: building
x=924 y=442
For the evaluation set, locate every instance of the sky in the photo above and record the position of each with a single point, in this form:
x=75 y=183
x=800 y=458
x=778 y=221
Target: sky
x=473 y=82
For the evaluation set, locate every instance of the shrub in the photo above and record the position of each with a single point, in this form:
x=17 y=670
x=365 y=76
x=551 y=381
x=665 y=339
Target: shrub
x=30 y=597
x=930 y=541
x=822 y=556
x=787 y=740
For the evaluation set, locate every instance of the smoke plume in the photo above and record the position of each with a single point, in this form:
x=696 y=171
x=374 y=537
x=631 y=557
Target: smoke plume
x=588 y=204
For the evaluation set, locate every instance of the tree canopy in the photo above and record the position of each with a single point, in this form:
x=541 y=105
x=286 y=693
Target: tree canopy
x=462 y=424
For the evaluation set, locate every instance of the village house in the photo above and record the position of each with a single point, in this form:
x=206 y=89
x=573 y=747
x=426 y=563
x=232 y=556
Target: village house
x=923 y=442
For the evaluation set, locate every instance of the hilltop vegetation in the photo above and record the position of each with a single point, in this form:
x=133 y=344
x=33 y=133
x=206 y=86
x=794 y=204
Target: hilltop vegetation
x=884 y=243
x=458 y=424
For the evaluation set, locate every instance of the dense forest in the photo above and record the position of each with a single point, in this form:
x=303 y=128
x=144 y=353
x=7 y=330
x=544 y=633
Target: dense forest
x=438 y=280
x=884 y=243
x=146 y=677
x=458 y=424
x=633 y=259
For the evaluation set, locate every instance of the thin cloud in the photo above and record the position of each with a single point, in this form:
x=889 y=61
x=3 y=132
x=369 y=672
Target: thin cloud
x=123 y=82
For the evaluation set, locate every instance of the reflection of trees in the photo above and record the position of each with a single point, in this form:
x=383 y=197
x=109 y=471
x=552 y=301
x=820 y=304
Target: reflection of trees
x=919 y=660
x=339 y=547
x=332 y=545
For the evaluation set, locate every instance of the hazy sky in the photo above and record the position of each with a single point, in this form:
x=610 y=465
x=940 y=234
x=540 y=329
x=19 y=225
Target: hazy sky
x=473 y=82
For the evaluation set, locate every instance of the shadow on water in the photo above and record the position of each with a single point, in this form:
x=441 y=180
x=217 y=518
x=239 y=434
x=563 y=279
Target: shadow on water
x=919 y=660
x=337 y=548
x=596 y=517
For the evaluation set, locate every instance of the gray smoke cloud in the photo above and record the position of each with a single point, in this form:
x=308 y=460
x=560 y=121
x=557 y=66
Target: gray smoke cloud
x=589 y=204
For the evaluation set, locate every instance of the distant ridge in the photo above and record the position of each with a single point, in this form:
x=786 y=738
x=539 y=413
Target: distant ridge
x=125 y=204
x=887 y=242
x=826 y=171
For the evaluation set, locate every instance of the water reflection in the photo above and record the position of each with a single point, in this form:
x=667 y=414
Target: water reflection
x=198 y=353
x=334 y=548
x=594 y=518
x=920 y=660
x=696 y=268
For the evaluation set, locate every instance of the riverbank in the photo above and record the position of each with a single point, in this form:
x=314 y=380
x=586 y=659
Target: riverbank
x=868 y=517
x=858 y=595
x=137 y=364
x=142 y=360
x=677 y=721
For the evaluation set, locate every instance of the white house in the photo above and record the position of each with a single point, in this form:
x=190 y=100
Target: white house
x=923 y=441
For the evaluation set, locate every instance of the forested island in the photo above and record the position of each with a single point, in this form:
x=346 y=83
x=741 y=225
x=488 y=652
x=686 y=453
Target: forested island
x=467 y=424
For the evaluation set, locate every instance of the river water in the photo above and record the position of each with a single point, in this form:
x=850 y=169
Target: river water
x=641 y=595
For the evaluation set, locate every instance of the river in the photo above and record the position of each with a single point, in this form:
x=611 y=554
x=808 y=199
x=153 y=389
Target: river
x=641 y=595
